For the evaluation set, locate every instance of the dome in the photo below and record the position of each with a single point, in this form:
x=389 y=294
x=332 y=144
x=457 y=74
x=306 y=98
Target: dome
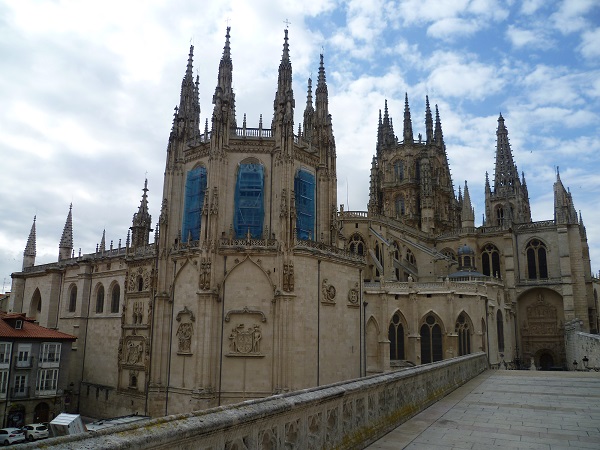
x=465 y=250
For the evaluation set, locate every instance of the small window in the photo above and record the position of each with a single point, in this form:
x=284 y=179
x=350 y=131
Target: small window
x=116 y=296
x=100 y=300
x=73 y=299
x=18 y=324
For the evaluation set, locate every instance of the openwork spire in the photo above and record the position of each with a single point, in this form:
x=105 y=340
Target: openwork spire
x=438 y=136
x=309 y=113
x=428 y=122
x=30 y=248
x=142 y=221
x=187 y=116
x=506 y=174
x=224 y=98
x=408 y=131
x=65 y=247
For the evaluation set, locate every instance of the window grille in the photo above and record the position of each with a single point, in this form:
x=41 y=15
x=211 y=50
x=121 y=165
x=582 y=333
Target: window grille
x=195 y=188
x=249 y=207
x=304 y=187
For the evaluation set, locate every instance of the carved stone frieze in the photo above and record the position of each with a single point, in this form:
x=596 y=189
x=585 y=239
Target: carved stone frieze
x=288 y=277
x=185 y=331
x=139 y=277
x=328 y=291
x=205 y=271
x=245 y=341
x=353 y=296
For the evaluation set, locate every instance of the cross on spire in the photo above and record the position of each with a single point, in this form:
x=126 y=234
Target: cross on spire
x=287 y=23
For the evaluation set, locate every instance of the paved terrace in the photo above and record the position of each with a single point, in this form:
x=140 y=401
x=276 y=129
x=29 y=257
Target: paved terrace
x=508 y=409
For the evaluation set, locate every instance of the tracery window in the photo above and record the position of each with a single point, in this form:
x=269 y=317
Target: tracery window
x=431 y=340
x=195 y=189
x=537 y=267
x=400 y=208
x=304 y=187
x=100 y=299
x=396 y=337
x=500 y=330
x=357 y=245
x=399 y=170
x=249 y=207
x=463 y=331
x=499 y=216
x=116 y=296
x=490 y=261
x=73 y=299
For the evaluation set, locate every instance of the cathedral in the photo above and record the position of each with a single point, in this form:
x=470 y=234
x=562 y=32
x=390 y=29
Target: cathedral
x=253 y=282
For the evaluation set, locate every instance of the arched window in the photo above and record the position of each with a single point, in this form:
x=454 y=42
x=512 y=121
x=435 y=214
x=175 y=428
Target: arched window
x=499 y=216
x=140 y=283
x=115 y=298
x=195 y=189
x=35 y=306
x=73 y=299
x=463 y=331
x=490 y=261
x=536 y=260
x=399 y=170
x=400 y=210
x=249 y=207
x=500 y=330
x=396 y=337
x=100 y=299
x=304 y=187
x=431 y=340
x=357 y=244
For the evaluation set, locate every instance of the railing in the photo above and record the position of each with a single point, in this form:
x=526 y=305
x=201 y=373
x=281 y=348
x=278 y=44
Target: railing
x=23 y=363
x=313 y=245
x=345 y=415
x=539 y=281
x=254 y=132
x=270 y=244
x=19 y=392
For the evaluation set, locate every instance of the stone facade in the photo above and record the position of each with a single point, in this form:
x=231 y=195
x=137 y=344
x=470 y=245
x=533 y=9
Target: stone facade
x=256 y=284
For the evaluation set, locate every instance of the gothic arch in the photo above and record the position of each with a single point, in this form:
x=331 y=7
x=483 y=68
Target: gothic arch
x=114 y=297
x=432 y=332
x=99 y=298
x=373 y=351
x=72 y=298
x=464 y=329
x=248 y=260
x=397 y=331
x=357 y=243
x=35 y=306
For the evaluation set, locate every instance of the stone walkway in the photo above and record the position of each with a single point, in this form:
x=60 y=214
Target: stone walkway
x=508 y=409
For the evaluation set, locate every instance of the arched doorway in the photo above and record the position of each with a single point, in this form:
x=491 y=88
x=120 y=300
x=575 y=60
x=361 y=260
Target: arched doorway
x=16 y=416
x=41 y=413
x=546 y=361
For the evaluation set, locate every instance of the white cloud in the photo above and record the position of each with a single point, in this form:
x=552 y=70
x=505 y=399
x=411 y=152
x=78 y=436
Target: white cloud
x=590 y=44
x=572 y=15
x=529 y=7
x=451 y=27
x=535 y=37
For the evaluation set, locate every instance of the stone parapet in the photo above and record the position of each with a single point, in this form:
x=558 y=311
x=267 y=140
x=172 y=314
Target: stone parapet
x=344 y=415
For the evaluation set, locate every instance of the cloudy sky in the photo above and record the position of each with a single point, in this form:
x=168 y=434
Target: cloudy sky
x=87 y=91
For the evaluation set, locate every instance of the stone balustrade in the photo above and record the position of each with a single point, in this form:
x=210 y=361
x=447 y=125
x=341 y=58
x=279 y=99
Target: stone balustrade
x=343 y=415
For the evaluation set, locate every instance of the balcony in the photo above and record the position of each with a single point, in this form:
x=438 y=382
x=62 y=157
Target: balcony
x=24 y=363
x=19 y=392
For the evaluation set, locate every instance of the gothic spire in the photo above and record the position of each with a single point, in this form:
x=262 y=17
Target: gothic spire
x=428 y=122
x=408 y=132
x=506 y=173
x=102 y=247
x=142 y=221
x=188 y=112
x=309 y=113
x=321 y=94
x=467 y=212
x=65 y=247
x=438 y=136
x=30 y=250
x=224 y=98
x=284 y=98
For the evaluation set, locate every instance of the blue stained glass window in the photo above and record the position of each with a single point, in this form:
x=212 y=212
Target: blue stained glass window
x=249 y=205
x=304 y=187
x=195 y=187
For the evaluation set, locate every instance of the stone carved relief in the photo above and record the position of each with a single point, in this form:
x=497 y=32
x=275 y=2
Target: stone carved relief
x=328 y=292
x=332 y=425
x=288 y=277
x=542 y=318
x=205 y=266
x=353 y=296
x=214 y=207
x=238 y=444
x=284 y=204
x=292 y=434
x=245 y=341
x=314 y=431
x=347 y=417
x=131 y=351
x=185 y=331
x=134 y=275
x=268 y=439
x=137 y=313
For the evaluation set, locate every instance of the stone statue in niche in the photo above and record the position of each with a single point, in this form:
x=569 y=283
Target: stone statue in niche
x=328 y=292
x=288 y=277
x=135 y=351
x=205 y=266
x=184 y=334
x=138 y=313
x=245 y=341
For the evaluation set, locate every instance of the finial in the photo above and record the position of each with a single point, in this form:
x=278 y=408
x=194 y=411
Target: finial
x=287 y=23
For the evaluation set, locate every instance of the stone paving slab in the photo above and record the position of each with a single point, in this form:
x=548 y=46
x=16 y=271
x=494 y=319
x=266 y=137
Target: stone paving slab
x=508 y=409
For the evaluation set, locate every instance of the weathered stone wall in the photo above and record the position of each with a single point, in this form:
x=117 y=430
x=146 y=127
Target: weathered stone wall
x=344 y=415
x=579 y=345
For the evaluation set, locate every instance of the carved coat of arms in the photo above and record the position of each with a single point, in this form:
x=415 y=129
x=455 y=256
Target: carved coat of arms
x=245 y=341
